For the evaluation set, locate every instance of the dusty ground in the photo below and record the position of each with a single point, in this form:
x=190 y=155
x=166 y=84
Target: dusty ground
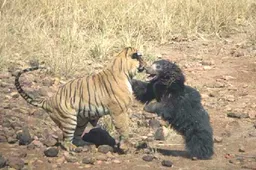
x=224 y=71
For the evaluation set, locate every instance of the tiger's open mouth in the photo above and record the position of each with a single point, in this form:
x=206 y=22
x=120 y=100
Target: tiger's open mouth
x=141 y=69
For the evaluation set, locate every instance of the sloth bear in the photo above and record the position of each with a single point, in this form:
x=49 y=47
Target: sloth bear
x=178 y=104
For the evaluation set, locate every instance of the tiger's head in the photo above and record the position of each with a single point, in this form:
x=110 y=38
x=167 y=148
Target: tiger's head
x=129 y=61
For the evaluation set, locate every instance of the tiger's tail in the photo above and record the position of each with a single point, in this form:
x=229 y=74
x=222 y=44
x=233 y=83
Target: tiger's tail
x=29 y=99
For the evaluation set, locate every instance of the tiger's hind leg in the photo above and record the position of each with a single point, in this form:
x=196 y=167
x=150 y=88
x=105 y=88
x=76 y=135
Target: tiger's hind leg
x=68 y=133
x=68 y=126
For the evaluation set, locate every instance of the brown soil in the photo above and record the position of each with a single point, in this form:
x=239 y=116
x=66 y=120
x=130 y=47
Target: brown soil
x=224 y=71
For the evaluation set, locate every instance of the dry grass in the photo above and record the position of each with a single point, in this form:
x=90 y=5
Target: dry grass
x=66 y=35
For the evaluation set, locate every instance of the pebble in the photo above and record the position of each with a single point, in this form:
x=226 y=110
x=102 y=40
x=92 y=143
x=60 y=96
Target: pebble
x=238 y=115
x=78 y=149
x=50 y=141
x=15 y=95
x=148 y=158
x=105 y=149
x=241 y=148
x=51 y=152
x=167 y=163
x=102 y=157
x=71 y=159
x=16 y=163
x=37 y=143
x=110 y=155
x=25 y=137
x=116 y=161
x=48 y=82
x=159 y=134
x=218 y=139
x=147 y=151
x=34 y=62
x=11 y=140
x=154 y=123
x=88 y=160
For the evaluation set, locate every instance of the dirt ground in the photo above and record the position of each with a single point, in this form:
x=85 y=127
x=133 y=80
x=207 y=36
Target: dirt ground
x=224 y=71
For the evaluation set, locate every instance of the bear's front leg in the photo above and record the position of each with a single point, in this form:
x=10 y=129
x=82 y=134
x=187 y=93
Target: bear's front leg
x=154 y=107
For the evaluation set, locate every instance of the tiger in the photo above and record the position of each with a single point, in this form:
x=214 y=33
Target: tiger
x=86 y=99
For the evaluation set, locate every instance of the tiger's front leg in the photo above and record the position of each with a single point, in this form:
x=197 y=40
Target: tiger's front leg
x=121 y=122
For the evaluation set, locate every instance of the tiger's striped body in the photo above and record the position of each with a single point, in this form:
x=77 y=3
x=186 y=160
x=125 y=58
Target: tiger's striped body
x=88 y=98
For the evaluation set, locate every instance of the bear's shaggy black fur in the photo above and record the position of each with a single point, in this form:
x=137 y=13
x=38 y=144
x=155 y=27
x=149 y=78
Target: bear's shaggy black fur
x=178 y=104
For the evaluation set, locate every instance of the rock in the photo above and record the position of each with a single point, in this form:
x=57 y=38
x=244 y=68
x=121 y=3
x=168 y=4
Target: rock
x=48 y=82
x=11 y=140
x=88 y=160
x=37 y=143
x=9 y=132
x=166 y=163
x=25 y=137
x=148 y=158
x=102 y=157
x=34 y=62
x=51 y=152
x=15 y=95
x=218 y=139
x=16 y=126
x=2 y=161
x=43 y=91
x=154 y=124
x=159 y=134
x=238 y=115
x=105 y=149
x=70 y=159
x=147 y=151
x=50 y=141
x=241 y=148
x=110 y=155
x=31 y=146
x=16 y=163
x=79 y=149
x=149 y=115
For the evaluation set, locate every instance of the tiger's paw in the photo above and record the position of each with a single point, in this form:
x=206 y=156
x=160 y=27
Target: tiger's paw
x=80 y=142
x=126 y=147
x=69 y=146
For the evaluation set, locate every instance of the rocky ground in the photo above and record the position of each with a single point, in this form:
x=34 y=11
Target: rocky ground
x=224 y=71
